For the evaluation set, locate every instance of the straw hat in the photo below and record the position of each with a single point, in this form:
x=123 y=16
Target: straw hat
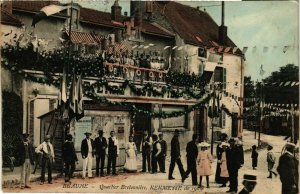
x=224 y=144
x=204 y=144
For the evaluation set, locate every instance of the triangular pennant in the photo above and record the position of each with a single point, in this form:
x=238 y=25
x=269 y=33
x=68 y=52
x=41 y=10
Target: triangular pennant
x=254 y=49
x=265 y=49
x=285 y=48
x=245 y=50
x=235 y=49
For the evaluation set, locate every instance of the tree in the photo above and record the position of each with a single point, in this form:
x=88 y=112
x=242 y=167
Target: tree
x=275 y=92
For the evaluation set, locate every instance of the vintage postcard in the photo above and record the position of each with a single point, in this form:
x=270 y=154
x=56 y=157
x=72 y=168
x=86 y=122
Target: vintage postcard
x=120 y=96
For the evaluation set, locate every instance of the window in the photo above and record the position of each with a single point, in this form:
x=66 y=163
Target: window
x=220 y=76
x=202 y=52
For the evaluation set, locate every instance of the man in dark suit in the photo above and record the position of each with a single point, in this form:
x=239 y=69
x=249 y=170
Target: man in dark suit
x=191 y=155
x=156 y=153
x=100 y=145
x=234 y=162
x=113 y=153
x=162 y=159
x=87 y=155
x=69 y=157
x=25 y=152
x=249 y=184
x=176 y=157
x=288 y=170
x=146 y=150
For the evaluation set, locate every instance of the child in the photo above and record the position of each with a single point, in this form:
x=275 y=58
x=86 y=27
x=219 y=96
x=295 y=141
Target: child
x=204 y=163
x=271 y=161
x=254 y=157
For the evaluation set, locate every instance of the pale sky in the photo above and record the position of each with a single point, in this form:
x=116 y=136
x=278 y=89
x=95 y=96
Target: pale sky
x=272 y=24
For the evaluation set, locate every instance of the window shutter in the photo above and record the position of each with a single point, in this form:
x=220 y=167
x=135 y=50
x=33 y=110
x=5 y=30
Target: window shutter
x=224 y=78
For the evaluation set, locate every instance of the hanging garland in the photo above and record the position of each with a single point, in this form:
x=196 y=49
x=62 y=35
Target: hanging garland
x=226 y=110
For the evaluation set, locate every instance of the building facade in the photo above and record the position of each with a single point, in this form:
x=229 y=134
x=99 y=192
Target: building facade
x=145 y=55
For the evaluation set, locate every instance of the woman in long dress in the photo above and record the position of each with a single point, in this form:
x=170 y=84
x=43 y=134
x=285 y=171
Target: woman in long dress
x=204 y=163
x=219 y=150
x=224 y=175
x=131 y=153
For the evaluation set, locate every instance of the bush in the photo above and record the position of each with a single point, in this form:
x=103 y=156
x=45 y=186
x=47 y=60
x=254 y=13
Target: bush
x=12 y=116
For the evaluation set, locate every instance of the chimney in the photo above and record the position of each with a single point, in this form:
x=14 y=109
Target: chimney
x=136 y=12
x=7 y=6
x=116 y=11
x=223 y=29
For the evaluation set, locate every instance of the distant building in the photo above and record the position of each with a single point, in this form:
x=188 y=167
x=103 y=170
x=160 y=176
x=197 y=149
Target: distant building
x=172 y=36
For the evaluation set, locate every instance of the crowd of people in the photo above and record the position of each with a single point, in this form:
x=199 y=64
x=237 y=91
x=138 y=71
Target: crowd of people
x=230 y=158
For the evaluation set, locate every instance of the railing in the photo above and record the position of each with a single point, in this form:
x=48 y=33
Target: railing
x=133 y=73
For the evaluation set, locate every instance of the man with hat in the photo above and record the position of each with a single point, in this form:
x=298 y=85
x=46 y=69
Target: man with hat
x=162 y=159
x=234 y=162
x=87 y=155
x=69 y=157
x=113 y=152
x=46 y=148
x=176 y=157
x=249 y=184
x=287 y=170
x=100 y=145
x=25 y=151
x=146 y=151
x=191 y=157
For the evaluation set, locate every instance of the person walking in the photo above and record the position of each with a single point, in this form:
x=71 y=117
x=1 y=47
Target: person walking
x=156 y=153
x=204 y=163
x=47 y=150
x=224 y=175
x=146 y=151
x=131 y=155
x=191 y=156
x=69 y=157
x=271 y=161
x=219 y=151
x=234 y=160
x=162 y=159
x=254 y=156
x=100 y=145
x=113 y=153
x=176 y=157
x=87 y=155
x=287 y=170
x=25 y=152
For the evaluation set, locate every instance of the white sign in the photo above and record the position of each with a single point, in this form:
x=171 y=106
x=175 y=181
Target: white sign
x=82 y=126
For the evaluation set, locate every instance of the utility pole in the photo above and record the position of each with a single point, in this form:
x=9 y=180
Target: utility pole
x=261 y=104
x=212 y=120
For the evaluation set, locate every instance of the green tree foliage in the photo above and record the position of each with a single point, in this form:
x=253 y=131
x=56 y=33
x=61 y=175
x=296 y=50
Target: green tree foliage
x=274 y=92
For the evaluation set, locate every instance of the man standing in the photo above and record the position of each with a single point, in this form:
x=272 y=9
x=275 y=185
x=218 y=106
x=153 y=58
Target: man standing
x=287 y=170
x=87 y=155
x=69 y=157
x=26 y=153
x=156 y=153
x=113 y=153
x=191 y=155
x=162 y=159
x=100 y=147
x=46 y=148
x=176 y=157
x=146 y=150
x=234 y=162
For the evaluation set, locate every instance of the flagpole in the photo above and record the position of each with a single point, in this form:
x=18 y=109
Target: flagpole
x=261 y=105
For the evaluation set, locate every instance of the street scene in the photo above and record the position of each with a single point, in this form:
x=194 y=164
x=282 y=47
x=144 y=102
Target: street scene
x=149 y=96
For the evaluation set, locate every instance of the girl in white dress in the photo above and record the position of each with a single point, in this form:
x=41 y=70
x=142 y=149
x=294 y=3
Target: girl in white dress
x=131 y=153
x=204 y=163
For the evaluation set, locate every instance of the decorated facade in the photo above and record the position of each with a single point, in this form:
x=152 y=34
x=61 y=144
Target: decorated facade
x=150 y=71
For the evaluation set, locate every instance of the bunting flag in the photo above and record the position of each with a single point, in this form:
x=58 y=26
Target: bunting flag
x=166 y=47
x=254 y=49
x=174 y=47
x=265 y=49
x=285 y=48
x=47 y=11
x=245 y=50
x=211 y=49
x=220 y=49
x=227 y=49
x=79 y=111
x=73 y=99
x=235 y=49
x=261 y=71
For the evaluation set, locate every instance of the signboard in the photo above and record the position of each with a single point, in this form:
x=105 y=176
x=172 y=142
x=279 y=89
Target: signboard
x=175 y=122
x=82 y=126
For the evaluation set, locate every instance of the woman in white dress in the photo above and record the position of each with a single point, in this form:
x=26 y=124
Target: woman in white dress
x=131 y=153
x=224 y=175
